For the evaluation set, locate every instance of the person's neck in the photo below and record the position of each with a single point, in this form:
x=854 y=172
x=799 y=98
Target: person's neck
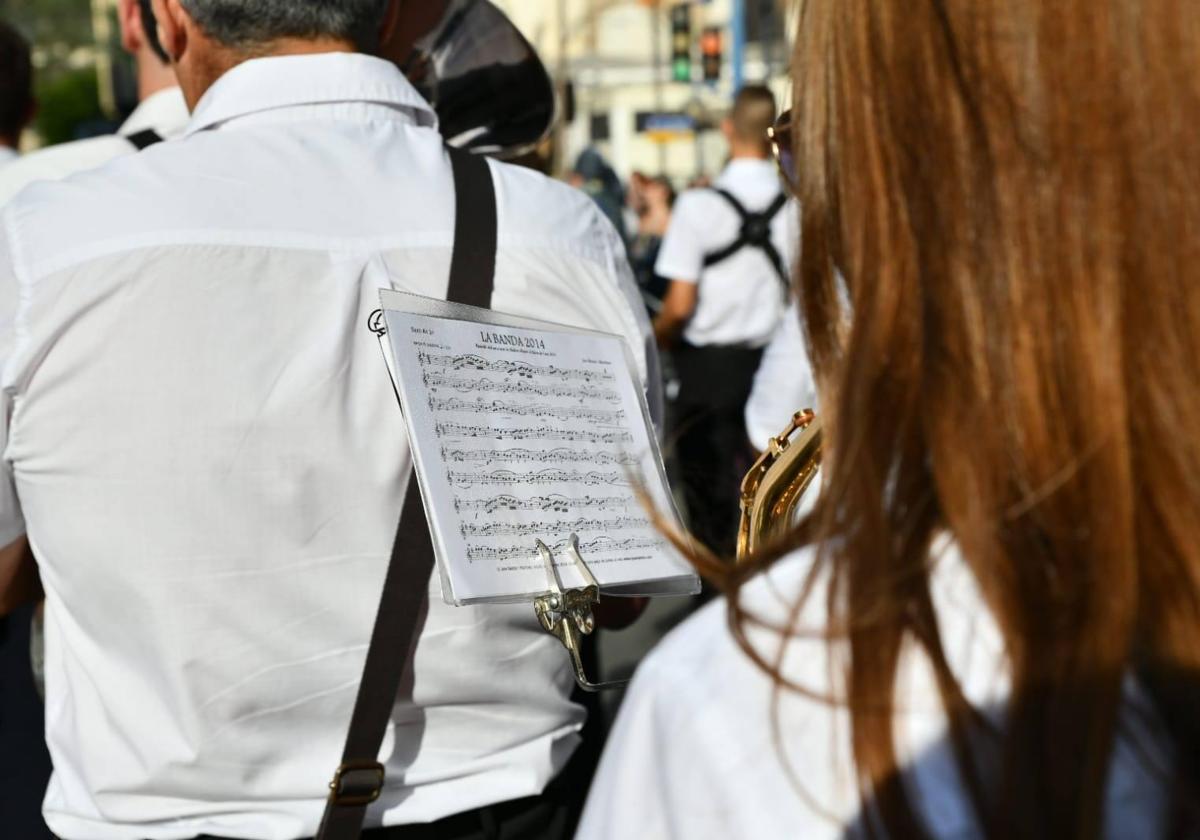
x=153 y=76
x=745 y=155
x=204 y=71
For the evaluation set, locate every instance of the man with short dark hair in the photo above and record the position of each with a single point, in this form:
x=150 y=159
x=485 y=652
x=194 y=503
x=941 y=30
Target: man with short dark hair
x=728 y=253
x=16 y=91
x=203 y=447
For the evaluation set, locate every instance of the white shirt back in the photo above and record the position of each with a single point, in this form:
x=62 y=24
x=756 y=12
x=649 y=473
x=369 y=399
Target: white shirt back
x=164 y=112
x=742 y=298
x=706 y=746
x=210 y=460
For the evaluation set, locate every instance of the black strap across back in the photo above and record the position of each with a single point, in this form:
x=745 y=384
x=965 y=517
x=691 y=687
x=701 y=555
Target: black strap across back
x=144 y=139
x=755 y=233
x=359 y=780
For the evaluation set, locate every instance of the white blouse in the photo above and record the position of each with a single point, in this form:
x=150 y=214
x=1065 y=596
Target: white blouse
x=706 y=747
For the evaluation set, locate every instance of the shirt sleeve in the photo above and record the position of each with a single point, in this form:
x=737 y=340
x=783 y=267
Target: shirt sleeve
x=619 y=265
x=783 y=384
x=12 y=522
x=681 y=256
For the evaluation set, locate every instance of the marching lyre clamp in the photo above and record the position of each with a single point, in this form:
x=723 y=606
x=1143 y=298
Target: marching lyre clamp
x=567 y=613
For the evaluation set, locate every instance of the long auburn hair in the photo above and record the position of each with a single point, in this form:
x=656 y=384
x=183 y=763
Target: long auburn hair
x=1011 y=190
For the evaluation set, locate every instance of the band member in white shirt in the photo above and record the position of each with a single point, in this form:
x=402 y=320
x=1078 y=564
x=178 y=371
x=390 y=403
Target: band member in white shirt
x=161 y=112
x=205 y=453
x=16 y=91
x=727 y=253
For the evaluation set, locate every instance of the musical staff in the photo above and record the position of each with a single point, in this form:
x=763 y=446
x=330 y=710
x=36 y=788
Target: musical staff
x=599 y=545
x=566 y=413
x=560 y=455
x=467 y=385
x=537 y=529
x=554 y=503
x=472 y=361
x=508 y=478
x=456 y=430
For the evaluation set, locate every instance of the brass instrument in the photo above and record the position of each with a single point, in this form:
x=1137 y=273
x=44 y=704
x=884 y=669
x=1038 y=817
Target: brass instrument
x=773 y=488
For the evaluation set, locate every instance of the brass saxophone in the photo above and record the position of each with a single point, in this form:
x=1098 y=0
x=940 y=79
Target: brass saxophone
x=772 y=490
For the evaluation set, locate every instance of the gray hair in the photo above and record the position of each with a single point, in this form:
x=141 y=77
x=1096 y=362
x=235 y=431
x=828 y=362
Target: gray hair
x=245 y=24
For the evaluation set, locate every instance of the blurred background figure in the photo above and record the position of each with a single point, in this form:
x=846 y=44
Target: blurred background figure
x=650 y=200
x=593 y=174
x=161 y=112
x=24 y=760
x=783 y=384
x=16 y=91
x=726 y=252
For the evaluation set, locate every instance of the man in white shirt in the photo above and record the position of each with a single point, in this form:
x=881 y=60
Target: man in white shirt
x=16 y=91
x=783 y=384
x=727 y=254
x=161 y=112
x=203 y=448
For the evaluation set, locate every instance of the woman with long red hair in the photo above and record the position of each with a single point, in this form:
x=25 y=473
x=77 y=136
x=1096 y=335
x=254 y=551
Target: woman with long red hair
x=989 y=625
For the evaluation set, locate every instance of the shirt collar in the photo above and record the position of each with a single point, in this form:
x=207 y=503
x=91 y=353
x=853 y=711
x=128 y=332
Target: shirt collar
x=750 y=165
x=165 y=112
x=264 y=84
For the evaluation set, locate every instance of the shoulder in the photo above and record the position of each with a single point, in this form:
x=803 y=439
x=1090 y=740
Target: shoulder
x=57 y=162
x=701 y=675
x=536 y=209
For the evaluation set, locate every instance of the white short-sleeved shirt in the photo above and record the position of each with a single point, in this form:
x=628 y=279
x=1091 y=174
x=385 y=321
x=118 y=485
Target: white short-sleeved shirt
x=8 y=156
x=783 y=383
x=694 y=754
x=203 y=443
x=164 y=112
x=742 y=298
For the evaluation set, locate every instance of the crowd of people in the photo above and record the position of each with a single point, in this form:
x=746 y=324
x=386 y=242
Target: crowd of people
x=977 y=226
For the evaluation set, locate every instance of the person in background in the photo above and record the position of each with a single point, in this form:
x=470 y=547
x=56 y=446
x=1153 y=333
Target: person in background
x=783 y=384
x=16 y=91
x=161 y=112
x=727 y=253
x=24 y=761
x=594 y=175
x=989 y=627
x=651 y=200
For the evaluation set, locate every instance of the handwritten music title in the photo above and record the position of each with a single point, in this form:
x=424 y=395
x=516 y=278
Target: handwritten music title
x=509 y=340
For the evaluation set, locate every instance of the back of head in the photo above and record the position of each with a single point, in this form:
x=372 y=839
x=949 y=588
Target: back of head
x=16 y=84
x=249 y=25
x=1008 y=188
x=753 y=113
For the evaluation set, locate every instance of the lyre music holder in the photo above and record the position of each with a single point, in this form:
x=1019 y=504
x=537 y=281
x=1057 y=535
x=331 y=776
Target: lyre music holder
x=564 y=613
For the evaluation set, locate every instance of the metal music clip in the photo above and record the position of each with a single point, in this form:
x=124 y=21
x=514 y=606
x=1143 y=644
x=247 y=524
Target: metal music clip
x=567 y=613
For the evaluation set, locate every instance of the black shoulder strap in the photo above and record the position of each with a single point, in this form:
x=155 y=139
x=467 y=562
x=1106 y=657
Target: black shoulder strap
x=144 y=139
x=732 y=201
x=755 y=232
x=359 y=780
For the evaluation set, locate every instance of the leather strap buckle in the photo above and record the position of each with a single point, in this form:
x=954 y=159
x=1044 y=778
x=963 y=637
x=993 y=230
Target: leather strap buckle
x=356 y=783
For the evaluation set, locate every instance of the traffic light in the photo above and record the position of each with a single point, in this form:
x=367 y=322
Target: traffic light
x=681 y=42
x=710 y=53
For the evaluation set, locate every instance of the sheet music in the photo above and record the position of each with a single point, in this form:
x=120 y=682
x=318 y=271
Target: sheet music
x=521 y=434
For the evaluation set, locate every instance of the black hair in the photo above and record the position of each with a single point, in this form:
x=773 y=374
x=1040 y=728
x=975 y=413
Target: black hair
x=150 y=25
x=16 y=82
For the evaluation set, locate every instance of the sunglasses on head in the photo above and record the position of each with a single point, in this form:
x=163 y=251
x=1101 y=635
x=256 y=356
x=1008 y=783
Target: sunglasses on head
x=780 y=138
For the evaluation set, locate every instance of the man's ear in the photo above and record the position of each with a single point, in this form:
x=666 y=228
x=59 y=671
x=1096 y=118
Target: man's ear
x=171 y=18
x=129 y=17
